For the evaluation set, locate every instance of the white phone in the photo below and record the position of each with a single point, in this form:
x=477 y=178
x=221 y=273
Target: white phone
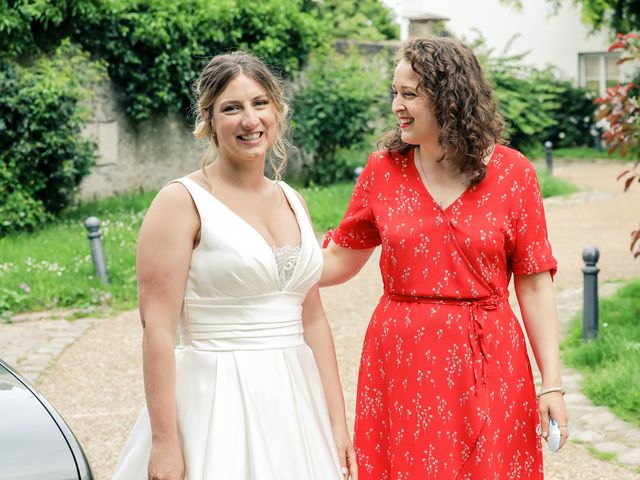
x=553 y=440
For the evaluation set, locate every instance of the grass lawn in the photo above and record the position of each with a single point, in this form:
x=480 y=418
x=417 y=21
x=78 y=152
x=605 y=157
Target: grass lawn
x=52 y=267
x=610 y=364
x=552 y=186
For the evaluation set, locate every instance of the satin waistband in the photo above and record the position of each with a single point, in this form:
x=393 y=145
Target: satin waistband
x=246 y=323
x=478 y=327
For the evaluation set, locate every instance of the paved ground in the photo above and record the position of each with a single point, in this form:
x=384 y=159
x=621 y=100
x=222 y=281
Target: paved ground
x=91 y=369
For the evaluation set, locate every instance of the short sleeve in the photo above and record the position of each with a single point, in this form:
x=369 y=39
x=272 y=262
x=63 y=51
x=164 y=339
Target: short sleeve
x=532 y=251
x=358 y=227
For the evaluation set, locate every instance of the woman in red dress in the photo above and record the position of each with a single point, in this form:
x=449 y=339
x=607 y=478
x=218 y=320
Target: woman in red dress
x=445 y=389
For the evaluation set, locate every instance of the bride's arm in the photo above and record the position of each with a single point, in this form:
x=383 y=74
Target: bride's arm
x=164 y=255
x=317 y=335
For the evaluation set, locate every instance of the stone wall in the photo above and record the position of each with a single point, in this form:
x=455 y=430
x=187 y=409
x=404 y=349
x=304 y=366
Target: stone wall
x=135 y=156
x=142 y=156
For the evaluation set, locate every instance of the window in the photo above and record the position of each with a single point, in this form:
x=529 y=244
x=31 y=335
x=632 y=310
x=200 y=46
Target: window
x=599 y=71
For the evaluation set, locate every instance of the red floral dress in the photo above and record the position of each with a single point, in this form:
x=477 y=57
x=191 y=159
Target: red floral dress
x=445 y=388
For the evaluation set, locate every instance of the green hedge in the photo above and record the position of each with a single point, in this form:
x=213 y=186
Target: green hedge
x=42 y=157
x=152 y=49
x=156 y=49
x=537 y=104
x=341 y=101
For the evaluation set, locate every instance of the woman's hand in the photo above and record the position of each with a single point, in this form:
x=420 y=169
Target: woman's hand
x=166 y=462
x=346 y=453
x=551 y=405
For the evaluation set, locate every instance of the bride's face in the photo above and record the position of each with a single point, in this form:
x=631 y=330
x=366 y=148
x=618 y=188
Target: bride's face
x=244 y=120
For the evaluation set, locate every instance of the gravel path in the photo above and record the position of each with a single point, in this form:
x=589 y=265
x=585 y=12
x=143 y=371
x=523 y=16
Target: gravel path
x=97 y=386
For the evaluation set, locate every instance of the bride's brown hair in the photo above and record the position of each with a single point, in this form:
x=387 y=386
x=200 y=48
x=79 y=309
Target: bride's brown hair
x=465 y=108
x=215 y=77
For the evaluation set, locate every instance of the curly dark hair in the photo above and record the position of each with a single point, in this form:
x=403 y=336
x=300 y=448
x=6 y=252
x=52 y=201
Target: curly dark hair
x=463 y=101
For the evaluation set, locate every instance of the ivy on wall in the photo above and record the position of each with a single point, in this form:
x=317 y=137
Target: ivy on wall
x=152 y=49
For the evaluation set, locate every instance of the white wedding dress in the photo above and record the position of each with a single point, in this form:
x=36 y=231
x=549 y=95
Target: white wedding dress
x=250 y=404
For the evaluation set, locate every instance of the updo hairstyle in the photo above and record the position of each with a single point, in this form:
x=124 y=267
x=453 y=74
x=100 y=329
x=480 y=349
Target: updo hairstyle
x=215 y=77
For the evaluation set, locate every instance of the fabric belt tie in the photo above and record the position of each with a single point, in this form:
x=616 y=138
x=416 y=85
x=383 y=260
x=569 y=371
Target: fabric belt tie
x=477 y=327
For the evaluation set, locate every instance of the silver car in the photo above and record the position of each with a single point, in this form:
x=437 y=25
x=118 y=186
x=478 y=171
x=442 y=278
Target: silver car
x=35 y=442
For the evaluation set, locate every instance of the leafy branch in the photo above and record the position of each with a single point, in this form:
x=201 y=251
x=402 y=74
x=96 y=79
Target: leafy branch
x=619 y=108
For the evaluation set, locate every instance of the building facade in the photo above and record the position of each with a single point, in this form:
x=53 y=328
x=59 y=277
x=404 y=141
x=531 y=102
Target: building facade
x=550 y=38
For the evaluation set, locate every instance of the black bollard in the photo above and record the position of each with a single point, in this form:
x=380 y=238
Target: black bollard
x=548 y=156
x=590 y=256
x=598 y=138
x=97 y=253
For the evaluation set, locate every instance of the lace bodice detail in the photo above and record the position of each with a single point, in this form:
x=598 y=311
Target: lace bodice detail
x=286 y=259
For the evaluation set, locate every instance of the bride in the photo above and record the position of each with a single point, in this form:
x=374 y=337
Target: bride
x=228 y=258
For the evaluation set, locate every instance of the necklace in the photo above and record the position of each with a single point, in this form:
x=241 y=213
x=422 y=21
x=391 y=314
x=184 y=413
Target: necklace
x=429 y=187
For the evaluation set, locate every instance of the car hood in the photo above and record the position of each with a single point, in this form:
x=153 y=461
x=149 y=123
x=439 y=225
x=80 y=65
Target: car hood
x=32 y=446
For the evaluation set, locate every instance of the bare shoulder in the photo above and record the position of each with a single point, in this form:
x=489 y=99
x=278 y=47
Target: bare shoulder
x=172 y=198
x=198 y=177
x=302 y=200
x=173 y=207
x=300 y=197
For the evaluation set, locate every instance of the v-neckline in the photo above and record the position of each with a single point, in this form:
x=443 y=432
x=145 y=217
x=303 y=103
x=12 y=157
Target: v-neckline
x=251 y=227
x=412 y=161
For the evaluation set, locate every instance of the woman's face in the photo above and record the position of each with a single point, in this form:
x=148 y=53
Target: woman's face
x=244 y=120
x=414 y=110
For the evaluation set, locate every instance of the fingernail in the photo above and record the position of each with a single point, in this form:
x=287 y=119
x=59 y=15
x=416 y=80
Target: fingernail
x=545 y=434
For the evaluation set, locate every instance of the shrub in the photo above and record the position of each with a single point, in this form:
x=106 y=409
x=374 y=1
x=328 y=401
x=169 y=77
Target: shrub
x=527 y=99
x=574 y=117
x=42 y=157
x=361 y=20
x=152 y=49
x=155 y=49
x=19 y=211
x=338 y=104
x=621 y=110
x=537 y=105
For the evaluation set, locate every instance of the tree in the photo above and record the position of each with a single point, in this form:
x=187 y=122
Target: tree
x=617 y=15
x=338 y=103
x=620 y=108
x=357 y=20
x=536 y=104
x=152 y=49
